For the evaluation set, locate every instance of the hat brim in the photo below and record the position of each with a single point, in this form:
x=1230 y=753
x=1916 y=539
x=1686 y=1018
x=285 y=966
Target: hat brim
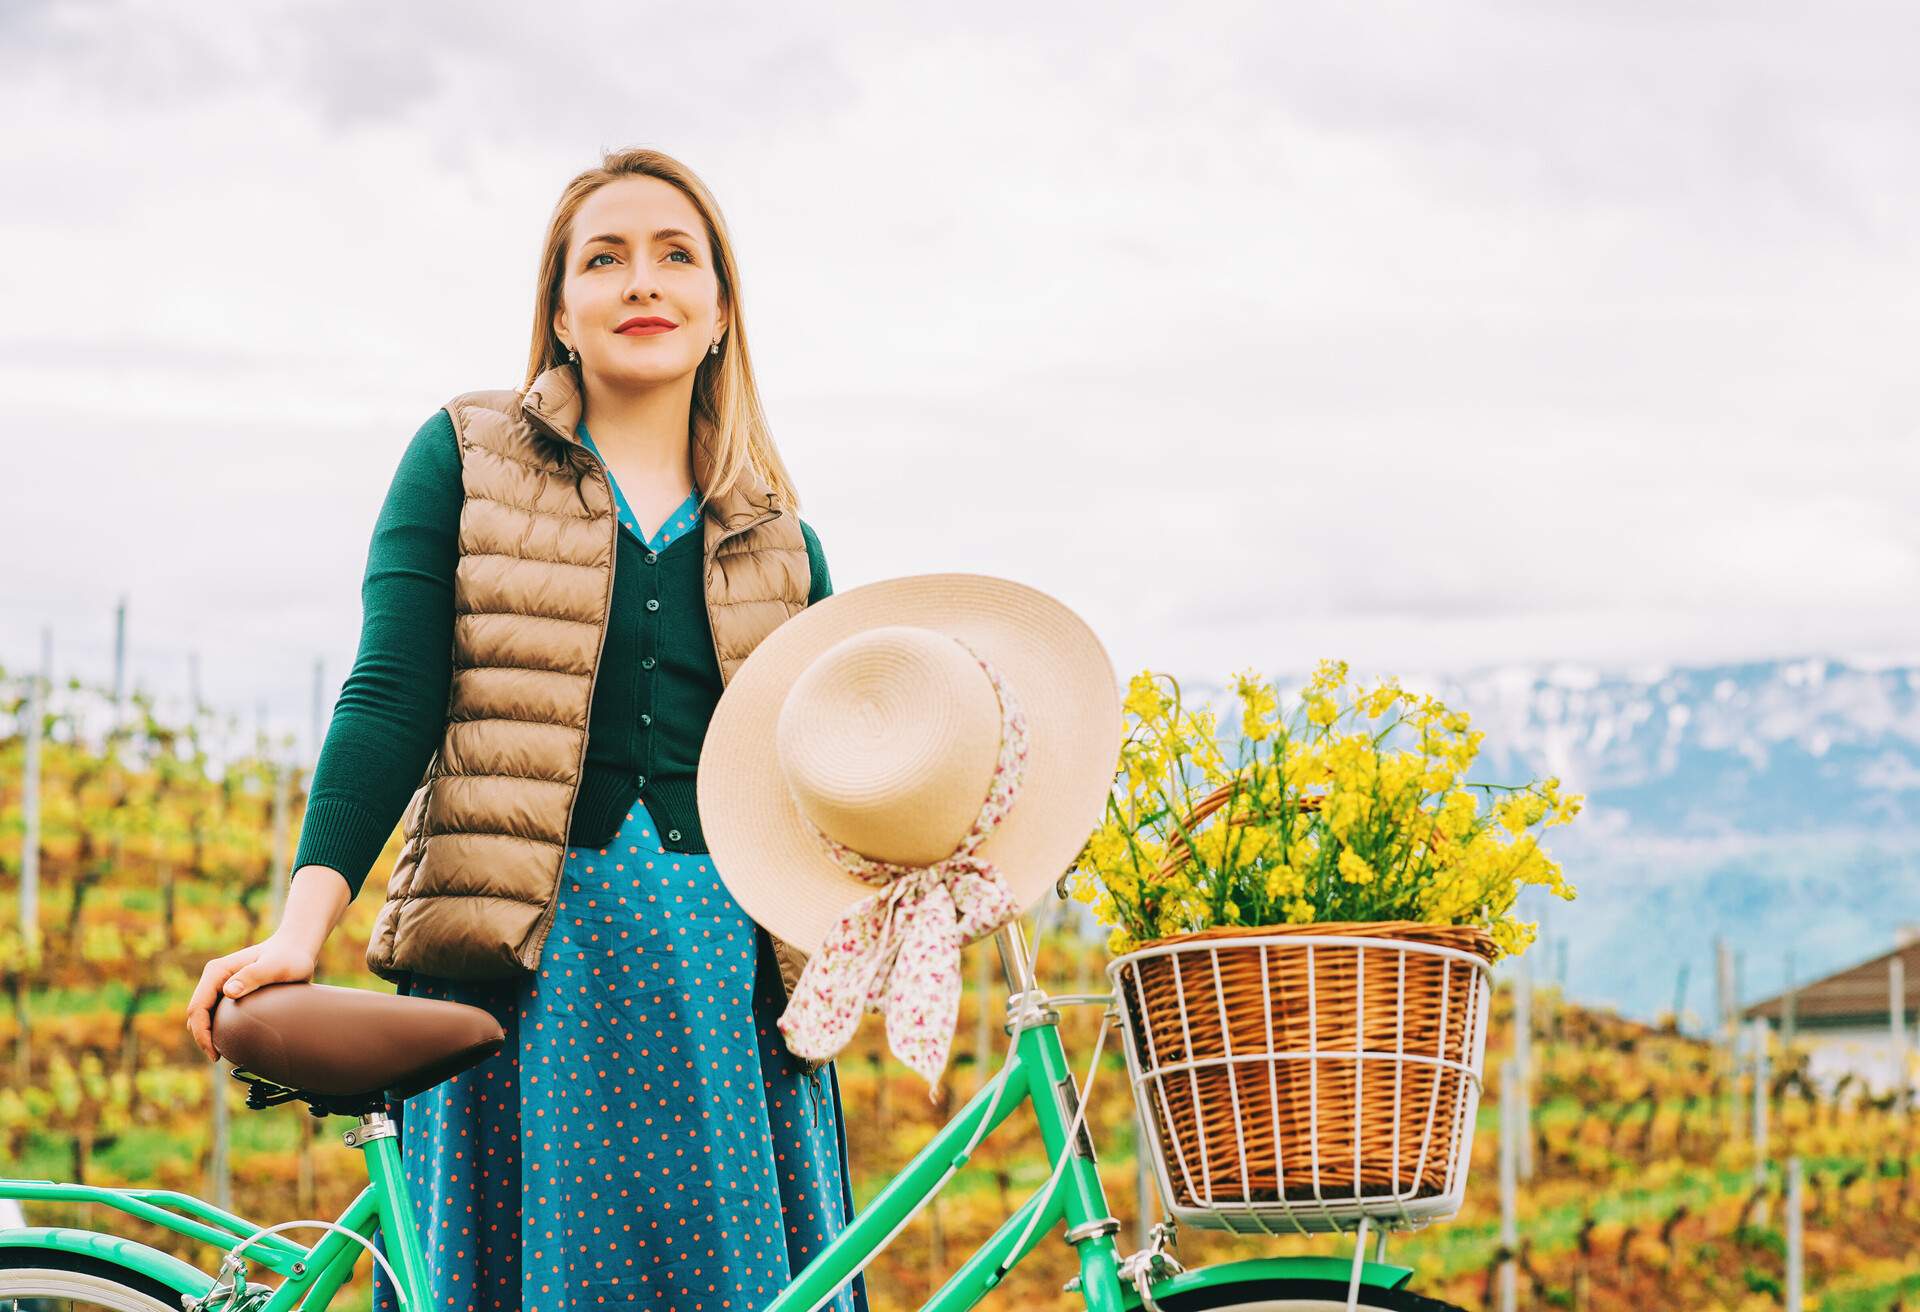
x=761 y=847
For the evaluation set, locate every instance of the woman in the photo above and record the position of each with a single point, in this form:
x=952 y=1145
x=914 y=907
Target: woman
x=645 y=1137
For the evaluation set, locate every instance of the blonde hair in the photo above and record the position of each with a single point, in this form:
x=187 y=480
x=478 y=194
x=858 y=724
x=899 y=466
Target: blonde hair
x=726 y=413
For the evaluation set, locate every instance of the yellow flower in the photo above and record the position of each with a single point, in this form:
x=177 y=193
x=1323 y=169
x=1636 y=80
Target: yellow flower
x=1381 y=700
x=1398 y=775
x=1250 y=842
x=1107 y=848
x=1352 y=761
x=1328 y=675
x=1456 y=867
x=1258 y=705
x=1303 y=768
x=1460 y=752
x=1285 y=882
x=1520 y=811
x=1144 y=698
x=1355 y=870
x=1210 y=845
x=1206 y=749
x=1345 y=810
x=1457 y=813
x=1566 y=808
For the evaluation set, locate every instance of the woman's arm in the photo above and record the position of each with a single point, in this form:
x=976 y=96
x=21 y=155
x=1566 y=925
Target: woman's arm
x=392 y=709
x=390 y=716
x=817 y=560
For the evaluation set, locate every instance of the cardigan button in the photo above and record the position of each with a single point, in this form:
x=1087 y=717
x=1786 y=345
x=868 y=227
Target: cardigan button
x=645 y=718
x=640 y=780
x=673 y=835
x=646 y=662
x=651 y=557
x=653 y=603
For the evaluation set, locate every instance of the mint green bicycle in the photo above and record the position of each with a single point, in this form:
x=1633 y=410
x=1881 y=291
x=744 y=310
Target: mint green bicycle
x=342 y=1050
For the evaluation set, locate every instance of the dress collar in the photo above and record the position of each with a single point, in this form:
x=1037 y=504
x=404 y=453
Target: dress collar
x=555 y=398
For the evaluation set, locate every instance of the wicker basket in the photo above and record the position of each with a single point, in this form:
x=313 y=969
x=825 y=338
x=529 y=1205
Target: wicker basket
x=1301 y=1077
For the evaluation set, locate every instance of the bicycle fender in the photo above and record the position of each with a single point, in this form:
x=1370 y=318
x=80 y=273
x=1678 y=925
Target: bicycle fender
x=125 y=1253
x=1373 y=1275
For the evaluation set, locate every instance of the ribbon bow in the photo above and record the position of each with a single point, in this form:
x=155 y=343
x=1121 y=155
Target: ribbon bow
x=898 y=951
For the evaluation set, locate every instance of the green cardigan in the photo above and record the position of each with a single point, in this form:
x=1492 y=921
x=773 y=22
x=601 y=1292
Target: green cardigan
x=653 y=697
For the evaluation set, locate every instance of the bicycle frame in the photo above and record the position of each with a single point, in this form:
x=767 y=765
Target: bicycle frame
x=314 y=1273
x=1036 y=1075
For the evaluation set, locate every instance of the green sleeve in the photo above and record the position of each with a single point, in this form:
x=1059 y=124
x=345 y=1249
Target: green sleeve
x=392 y=709
x=817 y=560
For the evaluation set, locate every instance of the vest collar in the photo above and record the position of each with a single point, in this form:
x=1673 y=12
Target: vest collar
x=555 y=402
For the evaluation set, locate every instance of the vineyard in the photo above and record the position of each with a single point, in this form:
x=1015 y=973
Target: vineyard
x=1645 y=1188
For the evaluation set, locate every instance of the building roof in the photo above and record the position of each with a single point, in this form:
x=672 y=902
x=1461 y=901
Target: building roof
x=1861 y=991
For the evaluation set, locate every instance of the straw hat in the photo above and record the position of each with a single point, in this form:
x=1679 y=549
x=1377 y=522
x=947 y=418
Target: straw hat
x=898 y=770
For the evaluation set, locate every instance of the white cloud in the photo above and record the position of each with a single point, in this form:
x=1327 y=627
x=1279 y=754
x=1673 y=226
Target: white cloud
x=1255 y=333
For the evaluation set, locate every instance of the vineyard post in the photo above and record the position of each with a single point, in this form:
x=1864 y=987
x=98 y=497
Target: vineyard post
x=282 y=803
x=1510 y=1135
x=1897 y=1021
x=318 y=729
x=1725 y=1038
x=1796 y=1268
x=220 y=1179
x=39 y=694
x=39 y=684
x=1759 y=1032
x=1523 y=1059
x=1737 y=1113
x=1723 y=992
x=1786 y=1009
x=119 y=659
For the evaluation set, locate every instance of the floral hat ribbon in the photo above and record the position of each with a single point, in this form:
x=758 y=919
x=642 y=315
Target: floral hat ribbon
x=898 y=951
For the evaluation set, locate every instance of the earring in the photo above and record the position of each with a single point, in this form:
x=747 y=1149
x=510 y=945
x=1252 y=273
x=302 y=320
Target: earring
x=573 y=356
x=715 y=348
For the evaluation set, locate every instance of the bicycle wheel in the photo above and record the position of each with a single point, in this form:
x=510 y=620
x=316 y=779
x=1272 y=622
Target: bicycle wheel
x=54 y=1280
x=1299 y=1296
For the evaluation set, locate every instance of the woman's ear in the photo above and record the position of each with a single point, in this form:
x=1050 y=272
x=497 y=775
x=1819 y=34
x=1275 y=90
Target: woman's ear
x=560 y=327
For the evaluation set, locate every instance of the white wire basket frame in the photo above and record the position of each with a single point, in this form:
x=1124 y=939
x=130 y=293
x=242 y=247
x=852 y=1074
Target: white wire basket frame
x=1224 y=1200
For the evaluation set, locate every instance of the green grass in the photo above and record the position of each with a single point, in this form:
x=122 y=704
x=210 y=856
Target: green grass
x=137 y=1153
x=1870 y=1298
x=110 y=997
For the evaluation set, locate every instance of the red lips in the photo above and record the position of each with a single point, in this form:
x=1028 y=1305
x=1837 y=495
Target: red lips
x=648 y=322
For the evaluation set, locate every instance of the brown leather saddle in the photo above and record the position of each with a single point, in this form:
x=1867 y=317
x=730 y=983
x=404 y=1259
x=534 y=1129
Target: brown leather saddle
x=344 y=1051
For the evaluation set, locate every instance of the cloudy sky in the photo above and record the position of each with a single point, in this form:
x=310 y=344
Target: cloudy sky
x=1424 y=335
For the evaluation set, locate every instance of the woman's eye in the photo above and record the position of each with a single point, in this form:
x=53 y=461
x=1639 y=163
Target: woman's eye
x=601 y=255
x=679 y=251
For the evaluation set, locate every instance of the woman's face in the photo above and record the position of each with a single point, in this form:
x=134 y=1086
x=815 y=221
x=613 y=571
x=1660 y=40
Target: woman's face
x=638 y=250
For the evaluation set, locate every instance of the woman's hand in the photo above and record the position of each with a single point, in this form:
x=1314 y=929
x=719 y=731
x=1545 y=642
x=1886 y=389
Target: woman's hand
x=273 y=960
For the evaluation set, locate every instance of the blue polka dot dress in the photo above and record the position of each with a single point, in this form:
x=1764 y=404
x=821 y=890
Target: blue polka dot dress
x=643 y=1139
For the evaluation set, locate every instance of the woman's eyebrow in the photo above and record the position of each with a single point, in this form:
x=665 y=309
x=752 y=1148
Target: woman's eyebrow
x=615 y=239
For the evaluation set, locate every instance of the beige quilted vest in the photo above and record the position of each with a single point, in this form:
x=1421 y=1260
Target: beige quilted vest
x=484 y=838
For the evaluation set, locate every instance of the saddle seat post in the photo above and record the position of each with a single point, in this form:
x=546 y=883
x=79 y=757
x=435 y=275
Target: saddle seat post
x=375 y=1135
